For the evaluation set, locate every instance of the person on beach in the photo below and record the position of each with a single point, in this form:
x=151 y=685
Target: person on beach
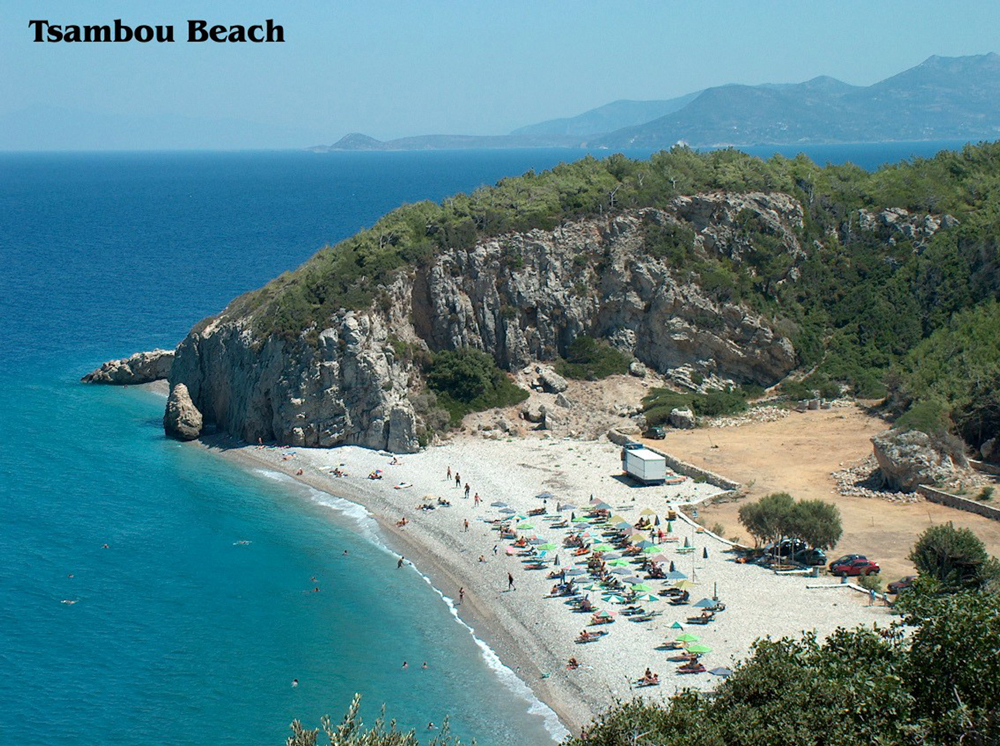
x=476 y=500
x=466 y=524
x=510 y=583
x=449 y=473
x=467 y=490
x=482 y=558
x=458 y=479
x=495 y=548
x=461 y=595
x=400 y=563
x=572 y=664
x=871 y=597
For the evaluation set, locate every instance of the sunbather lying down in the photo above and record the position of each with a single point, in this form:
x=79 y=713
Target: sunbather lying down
x=648 y=679
x=587 y=636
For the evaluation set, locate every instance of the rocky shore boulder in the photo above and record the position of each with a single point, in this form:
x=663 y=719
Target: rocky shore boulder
x=182 y=420
x=683 y=419
x=910 y=458
x=142 y=367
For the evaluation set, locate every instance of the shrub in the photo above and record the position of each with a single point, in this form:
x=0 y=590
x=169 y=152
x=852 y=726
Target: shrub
x=468 y=380
x=589 y=359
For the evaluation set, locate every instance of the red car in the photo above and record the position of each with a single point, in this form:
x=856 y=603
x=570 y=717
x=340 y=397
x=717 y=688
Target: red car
x=859 y=566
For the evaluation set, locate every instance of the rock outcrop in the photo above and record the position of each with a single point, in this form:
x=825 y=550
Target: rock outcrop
x=907 y=459
x=182 y=420
x=142 y=367
x=521 y=297
x=683 y=419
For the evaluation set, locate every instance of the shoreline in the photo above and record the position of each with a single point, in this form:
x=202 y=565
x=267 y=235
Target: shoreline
x=530 y=632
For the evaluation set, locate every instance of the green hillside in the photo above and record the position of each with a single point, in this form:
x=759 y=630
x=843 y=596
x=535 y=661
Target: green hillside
x=864 y=310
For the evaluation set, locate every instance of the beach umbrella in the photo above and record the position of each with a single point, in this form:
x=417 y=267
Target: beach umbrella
x=647 y=597
x=618 y=563
x=631 y=580
x=612 y=598
x=612 y=556
x=511 y=550
x=536 y=541
x=604 y=614
x=651 y=549
x=658 y=559
x=657 y=521
x=544 y=495
x=670 y=526
x=672 y=568
x=508 y=511
x=647 y=511
x=676 y=625
x=602 y=548
x=621 y=571
x=686 y=542
x=687 y=637
x=525 y=526
x=721 y=671
x=568 y=507
x=704 y=553
x=642 y=588
x=576 y=571
x=624 y=526
x=618 y=519
x=699 y=649
x=684 y=584
x=705 y=603
x=499 y=504
x=578 y=519
x=676 y=575
x=601 y=506
x=548 y=546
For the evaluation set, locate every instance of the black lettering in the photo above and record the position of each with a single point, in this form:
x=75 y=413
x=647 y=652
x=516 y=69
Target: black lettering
x=122 y=32
x=144 y=34
x=275 y=30
x=97 y=33
x=72 y=34
x=254 y=32
x=196 y=31
x=165 y=33
x=40 y=26
x=218 y=33
x=237 y=33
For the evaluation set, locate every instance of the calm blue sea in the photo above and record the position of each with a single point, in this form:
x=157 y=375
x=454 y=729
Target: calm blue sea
x=179 y=634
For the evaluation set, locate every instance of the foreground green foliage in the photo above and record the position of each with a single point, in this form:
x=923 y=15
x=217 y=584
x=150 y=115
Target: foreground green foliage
x=351 y=732
x=590 y=360
x=938 y=686
x=468 y=380
x=777 y=516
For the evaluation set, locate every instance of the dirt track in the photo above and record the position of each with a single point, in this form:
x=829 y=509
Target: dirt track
x=797 y=455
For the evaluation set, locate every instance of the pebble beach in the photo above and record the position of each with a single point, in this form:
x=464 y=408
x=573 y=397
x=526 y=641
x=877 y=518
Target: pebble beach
x=459 y=548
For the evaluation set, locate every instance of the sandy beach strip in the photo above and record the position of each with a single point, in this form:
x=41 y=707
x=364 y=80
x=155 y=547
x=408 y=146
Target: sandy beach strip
x=532 y=633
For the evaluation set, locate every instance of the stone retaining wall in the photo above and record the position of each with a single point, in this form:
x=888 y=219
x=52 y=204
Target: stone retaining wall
x=697 y=473
x=962 y=503
x=984 y=467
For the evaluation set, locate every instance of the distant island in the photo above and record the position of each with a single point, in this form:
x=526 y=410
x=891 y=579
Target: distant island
x=941 y=98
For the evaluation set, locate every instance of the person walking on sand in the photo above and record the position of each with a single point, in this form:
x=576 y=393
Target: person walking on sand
x=449 y=474
x=466 y=523
x=871 y=597
x=510 y=583
x=461 y=595
x=466 y=490
x=476 y=500
x=458 y=479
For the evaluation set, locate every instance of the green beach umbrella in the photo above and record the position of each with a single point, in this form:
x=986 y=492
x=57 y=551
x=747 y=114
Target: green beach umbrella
x=549 y=546
x=525 y=526
x=619 y=563
x=686 y=637
x=699 y=649
x=578 y=519
x=651 y=549
x=642 y=588
x=602 y=548
x=676 y=625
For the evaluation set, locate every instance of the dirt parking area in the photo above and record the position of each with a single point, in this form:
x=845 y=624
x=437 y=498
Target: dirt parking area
x=797 y=454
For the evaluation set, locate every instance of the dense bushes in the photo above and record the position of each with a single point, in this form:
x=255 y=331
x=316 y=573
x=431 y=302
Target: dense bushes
x=778 y=516
x=659 y=402
x=590 y=360
x=468 y=380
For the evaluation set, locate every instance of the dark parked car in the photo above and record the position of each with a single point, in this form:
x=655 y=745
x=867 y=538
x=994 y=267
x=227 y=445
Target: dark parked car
x=855 y=567
x=811 y=557
x=903 y=584
x=786 y=547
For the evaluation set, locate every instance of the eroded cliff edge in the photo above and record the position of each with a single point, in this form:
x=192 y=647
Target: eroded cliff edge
x=520 y=297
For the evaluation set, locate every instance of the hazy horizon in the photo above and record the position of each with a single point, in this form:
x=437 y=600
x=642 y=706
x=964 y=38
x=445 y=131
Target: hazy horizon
x=396 y=69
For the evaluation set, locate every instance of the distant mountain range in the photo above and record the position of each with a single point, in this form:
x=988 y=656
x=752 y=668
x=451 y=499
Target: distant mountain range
x=941 y=98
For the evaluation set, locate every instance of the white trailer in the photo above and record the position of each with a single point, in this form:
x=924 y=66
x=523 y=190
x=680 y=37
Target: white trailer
x=643 y=464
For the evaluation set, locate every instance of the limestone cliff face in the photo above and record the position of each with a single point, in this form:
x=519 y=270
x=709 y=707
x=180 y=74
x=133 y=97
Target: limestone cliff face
x=520 y=297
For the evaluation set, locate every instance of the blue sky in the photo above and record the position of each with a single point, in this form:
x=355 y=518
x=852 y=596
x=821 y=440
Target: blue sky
x=398 y=68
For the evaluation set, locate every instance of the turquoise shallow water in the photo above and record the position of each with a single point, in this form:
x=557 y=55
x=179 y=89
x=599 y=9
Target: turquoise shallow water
x=179 y=634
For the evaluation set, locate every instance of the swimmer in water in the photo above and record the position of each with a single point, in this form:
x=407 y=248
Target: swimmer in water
x=295 y=683
x=67 y=601
x=405 y=664
x=425 y=665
